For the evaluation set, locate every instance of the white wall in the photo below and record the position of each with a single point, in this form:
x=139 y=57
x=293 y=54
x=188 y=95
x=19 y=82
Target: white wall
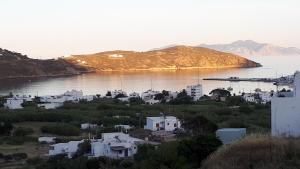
x=285 y=116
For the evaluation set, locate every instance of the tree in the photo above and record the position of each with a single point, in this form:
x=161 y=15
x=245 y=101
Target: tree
x=198 y=148
x=83 y=148
x=182 y=98
x=235 y=101
x=218 y=93
x=108 y=93
x=5 y=128
x=199 y=125
x=22 y=131
x=120 y=95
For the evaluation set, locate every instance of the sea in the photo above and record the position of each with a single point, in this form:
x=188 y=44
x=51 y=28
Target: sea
x=171 y=80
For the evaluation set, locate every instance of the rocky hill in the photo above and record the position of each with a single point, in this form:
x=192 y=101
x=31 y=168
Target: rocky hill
x=16 y=65
x=177 y=57
x=252 y=48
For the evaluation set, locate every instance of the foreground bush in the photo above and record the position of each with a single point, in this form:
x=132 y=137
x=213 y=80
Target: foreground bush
x=61 y=130
x=259 y=152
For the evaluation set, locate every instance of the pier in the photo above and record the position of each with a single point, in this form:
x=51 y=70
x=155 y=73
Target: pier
x=284 y=80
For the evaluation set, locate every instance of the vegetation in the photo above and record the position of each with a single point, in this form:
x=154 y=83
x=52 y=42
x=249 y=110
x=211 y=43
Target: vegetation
x=257 y=151
x=61 y=130
x=200 y=120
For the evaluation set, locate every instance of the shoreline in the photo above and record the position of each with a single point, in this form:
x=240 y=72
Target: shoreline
x=45 y=76
x=124 y=70
x=174 y=68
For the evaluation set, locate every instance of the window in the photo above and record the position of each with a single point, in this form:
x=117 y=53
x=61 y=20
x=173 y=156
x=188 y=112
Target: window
x=120 y=151
x=168 y=123
x=175 y=125
x=157 y=124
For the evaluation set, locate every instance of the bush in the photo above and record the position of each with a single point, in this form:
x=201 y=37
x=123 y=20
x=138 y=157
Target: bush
x=19 y=156
x=235 y=101
x=245 y=109
x=198 y=148
x=199 y=125
x=182 y=98
x=224 y=111
x=34 y=161
x=22 y=131
x=61 y=130
x=5 y=128
x=236 y=124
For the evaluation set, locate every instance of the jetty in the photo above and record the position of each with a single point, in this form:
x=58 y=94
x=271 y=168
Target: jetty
x=284 y=80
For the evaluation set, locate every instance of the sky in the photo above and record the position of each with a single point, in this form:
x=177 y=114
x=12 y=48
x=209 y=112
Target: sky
x=54 y=28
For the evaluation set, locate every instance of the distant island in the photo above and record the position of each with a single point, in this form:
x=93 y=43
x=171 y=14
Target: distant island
x=251 y=48
x=171 y=58
x=15 y=65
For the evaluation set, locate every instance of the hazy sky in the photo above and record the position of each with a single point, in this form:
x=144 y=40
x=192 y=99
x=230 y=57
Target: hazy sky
x=53 y=28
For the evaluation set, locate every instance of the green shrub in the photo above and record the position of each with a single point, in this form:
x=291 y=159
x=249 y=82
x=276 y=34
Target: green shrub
x=224 y=111
x=22 y=131
x=245 y=109
x=236 y=124
x=61 y=130
x=5 y=128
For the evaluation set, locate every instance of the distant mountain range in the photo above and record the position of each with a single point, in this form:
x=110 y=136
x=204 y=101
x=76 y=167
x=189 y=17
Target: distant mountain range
x=251 y=48
x=176 y=57
x=16 y=65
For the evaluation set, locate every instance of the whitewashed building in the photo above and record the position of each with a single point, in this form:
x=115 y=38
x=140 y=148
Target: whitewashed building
x=115 y=145
x=249 y=97
x=123 y=126
x=51 y=105
x=14 y=103
x=195 y=91
x=47 y=140
x=149 y=95
x=85 y=126
x=68 y=149
x=286 y=112
x=167 y=123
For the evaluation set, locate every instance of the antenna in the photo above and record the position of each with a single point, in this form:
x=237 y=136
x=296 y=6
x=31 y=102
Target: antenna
x=198 y=74
x=151 y=83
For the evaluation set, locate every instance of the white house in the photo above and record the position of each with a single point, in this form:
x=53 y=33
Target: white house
x=46 y=140
x=152 y=101
x=85 y=126
x=149 y=95
x=69 y=148
x=249 y=97
x=115 y=145
x=195 y=91
x=230 y=135
x=14 y=103
x=167 y=123
x=286 y=112
x=51 y=105
x=123 y=127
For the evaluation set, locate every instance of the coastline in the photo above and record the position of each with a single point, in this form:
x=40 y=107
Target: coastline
x=124 y=70
x=46 y=76
x=175 y=68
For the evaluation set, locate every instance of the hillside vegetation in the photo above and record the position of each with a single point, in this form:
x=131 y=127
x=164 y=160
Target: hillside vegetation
x=178 y=57
x=259 y=152
x=16 y=65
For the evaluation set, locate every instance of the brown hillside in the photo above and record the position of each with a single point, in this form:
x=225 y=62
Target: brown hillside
x=16 y=65
x=257 y=152
x=178 y=57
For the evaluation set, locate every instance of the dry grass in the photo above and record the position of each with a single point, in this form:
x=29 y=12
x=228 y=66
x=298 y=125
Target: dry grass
x=257 y=152
x=31 y=149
